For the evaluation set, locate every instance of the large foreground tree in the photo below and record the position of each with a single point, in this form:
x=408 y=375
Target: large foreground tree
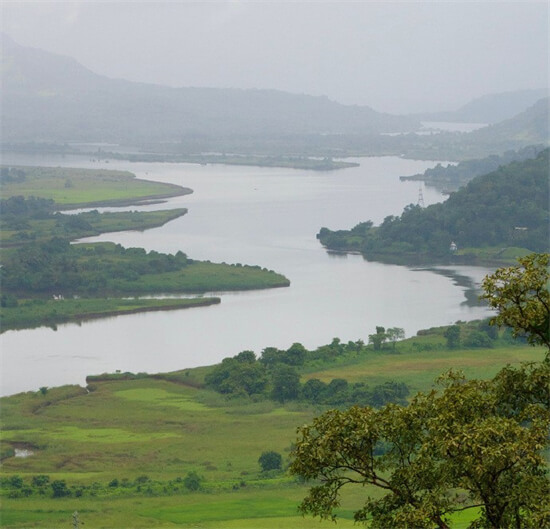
x=466 y=445
x=520 y=295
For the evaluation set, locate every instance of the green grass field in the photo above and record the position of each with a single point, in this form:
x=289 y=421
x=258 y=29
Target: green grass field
x=419 y=369
x=72 y=187
x=157 y=431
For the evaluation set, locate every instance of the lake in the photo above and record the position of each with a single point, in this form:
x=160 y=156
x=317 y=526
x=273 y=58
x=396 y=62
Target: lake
x=262 y=216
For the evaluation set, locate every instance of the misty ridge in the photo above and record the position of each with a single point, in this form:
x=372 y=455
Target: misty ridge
x=60 y=100
x=52 y=98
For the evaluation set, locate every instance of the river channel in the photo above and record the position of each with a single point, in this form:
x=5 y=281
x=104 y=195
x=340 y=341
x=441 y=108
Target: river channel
x=262 y=216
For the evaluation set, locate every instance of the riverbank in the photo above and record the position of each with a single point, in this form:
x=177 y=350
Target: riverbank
x=50 y=312
x=72 y=279
x=489 y=257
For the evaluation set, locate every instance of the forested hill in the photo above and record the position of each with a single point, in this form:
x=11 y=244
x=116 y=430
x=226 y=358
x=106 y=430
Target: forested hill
x=505 y=208
x=451 y=177
x=47 y=97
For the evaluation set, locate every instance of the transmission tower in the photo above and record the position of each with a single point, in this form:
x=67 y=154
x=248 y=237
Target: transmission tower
x=420 y=197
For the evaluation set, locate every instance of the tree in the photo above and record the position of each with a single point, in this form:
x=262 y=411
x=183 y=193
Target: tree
x=296 y=354
x=483 y=437
x=270 y=461
x=452 y=334
x=286 y=384
x=465 y=435
x=520 y=295
x=16 y=481
x=192 y=481
x=379 y=338
x=314 y=390
x=394 y=334
x=60 y=489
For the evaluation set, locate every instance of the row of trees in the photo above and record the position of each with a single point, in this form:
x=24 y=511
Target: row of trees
x=275 y=375
x=469 y=444
x=19 y=487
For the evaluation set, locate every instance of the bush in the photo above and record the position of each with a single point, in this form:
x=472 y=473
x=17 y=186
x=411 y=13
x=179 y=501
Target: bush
x=192 y=481
x=59 y=488
x=270 y=461
x=40 y=480
x=16 y=482
x=478 y=339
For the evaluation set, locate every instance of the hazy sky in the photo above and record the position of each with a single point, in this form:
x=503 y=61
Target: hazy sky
x=393 y=56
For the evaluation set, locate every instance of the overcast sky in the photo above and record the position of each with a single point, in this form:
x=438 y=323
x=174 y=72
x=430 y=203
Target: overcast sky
x=393 y=56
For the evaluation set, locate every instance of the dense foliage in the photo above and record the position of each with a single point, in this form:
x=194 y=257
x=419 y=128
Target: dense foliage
x=485 y=438
x=508 y=207
x=472 y=435
x=520 y=295
x=276 y=375
x=451 y=177
x=57 y=266
x=44 y=485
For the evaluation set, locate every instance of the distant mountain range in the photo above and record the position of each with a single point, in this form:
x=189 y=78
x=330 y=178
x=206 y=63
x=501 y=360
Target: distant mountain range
x=48 y=97
x=51 y=99
x=490 y=108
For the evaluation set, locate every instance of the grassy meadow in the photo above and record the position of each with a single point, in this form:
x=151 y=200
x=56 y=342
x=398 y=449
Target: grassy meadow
x=75 y=187
x=125 y=446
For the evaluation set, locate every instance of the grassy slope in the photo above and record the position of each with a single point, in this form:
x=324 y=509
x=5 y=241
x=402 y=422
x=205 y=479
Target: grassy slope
x=72 y=187
x=128 y=428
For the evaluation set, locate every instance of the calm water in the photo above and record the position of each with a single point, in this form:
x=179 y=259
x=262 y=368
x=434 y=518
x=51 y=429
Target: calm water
x=261 y=216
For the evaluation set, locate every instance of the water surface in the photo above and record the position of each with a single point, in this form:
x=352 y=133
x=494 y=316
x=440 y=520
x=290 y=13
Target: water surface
x=263 y=216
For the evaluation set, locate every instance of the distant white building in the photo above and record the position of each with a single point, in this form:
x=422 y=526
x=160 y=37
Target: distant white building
x=453 y=247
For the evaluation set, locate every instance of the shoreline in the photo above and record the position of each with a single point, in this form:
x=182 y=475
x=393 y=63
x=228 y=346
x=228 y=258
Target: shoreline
x=77 y=318
x=133 y=201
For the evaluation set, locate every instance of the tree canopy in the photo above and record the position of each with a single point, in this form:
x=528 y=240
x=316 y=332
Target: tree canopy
x=520 y=295
x=470 y=436
x=468 y=444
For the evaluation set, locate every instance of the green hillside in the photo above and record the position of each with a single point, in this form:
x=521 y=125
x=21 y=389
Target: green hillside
x=496 y=216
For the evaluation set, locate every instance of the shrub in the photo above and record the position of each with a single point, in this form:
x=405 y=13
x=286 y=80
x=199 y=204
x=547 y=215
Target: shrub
x=192 y=481
x=270 y=461
x=59 y=488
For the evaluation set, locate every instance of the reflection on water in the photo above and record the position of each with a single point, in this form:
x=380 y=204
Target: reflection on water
x=469 y=278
